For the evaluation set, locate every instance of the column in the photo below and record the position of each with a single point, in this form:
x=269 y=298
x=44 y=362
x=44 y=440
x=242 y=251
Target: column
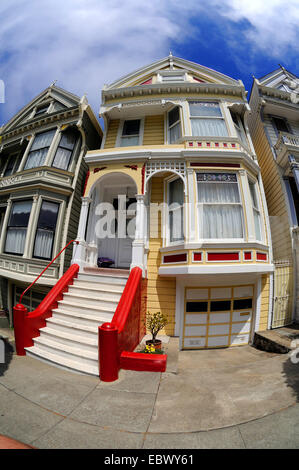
x=138 y=243
x=79 y=251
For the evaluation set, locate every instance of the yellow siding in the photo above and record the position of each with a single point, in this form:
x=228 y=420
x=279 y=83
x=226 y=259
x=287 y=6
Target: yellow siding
x=161 y=291
x=154 y=130
x=265 y=292
x=111 y=134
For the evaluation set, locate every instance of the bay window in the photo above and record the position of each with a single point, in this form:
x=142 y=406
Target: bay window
x=13 y=163
x=45 y=232
x=17 y=227
x=176 y=210
x=65 y=150
x=239 y=127
x=174 y=125
x=219 y=206
x=206 y=119
x=130 y=133
x=256 y=211
x=39 y=149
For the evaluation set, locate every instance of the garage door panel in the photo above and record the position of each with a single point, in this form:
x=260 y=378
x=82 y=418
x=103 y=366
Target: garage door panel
x=241 y=327
x=194 y=343
x=195 y=330
x=239 y=339
x=217 y=341
x=243 y=291
x=242 y=315
x=197 y=294
x=219 y=317
x=196 y=319
x=219 y=329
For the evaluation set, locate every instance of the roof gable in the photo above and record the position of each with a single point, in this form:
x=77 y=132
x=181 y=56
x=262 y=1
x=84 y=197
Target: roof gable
x=280 y=79
x=53 y=99
x=171 y=69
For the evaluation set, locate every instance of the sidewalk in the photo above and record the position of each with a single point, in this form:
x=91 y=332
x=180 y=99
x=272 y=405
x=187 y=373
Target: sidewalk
x=226 y=398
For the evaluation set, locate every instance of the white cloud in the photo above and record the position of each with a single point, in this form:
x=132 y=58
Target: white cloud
x=86 y=43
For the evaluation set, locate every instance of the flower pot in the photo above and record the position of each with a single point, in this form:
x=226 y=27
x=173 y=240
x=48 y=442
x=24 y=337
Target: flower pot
x=157 y=343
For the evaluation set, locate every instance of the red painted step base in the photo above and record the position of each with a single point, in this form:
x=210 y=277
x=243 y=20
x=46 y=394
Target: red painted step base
x=143 y=362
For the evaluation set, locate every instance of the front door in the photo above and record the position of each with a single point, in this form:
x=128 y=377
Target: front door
x=119 y=246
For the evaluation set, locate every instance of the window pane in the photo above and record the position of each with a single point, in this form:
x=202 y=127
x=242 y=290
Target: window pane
x=253 y=194
x=257 y=225
x=36 y=158
x=220 y=305
x=176 y=224
x=131 y=127
x=10 y=165
x=175 y=133
x=48 y=215
x=176 y=191
x=218 y=192
x=209 y=128
x=242 y=304
x=62 y=158
x=200 y=108
x=43 y=244
x=221 y=221
x=43 y=140
x=173 y=116
x=280 y=125
x=196 y=306
x=68 y=140
x=15 y=240
x=128 y=141
x=20 y=213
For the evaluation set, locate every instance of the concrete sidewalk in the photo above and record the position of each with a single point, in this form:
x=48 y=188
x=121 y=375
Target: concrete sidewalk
x=225 y=398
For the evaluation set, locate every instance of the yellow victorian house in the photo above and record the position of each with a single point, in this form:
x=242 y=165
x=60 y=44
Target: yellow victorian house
x=175 y=190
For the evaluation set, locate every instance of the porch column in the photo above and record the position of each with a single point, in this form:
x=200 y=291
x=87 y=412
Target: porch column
x=79 y=250
x=139 y=242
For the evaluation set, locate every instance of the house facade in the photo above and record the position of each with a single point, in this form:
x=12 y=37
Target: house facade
x=274 y=127
x=42 y=177
x=176 y=189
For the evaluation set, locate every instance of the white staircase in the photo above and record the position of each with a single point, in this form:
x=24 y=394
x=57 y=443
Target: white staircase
x=70 y=338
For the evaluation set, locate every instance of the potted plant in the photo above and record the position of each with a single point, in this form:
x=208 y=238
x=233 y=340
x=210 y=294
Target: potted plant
x=154 y=323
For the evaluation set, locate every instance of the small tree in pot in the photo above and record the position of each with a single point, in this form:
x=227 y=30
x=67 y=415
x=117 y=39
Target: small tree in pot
x=155 y=322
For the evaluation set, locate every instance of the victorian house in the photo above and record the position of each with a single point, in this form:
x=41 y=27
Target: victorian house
x=42 y=177
x=174 y=190
x=274 y=127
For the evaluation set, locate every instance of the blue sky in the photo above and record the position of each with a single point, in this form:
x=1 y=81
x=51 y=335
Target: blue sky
x=85 y=43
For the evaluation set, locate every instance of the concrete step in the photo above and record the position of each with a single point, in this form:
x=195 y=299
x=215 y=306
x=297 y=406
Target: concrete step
x=77 y=307
x=61 y=361
x=74 y=353
x=278 y=340
x=96 y=290
x=94 y=278
x=102 y=302
x=70 y=339
x=81 y=318
x=65 y=326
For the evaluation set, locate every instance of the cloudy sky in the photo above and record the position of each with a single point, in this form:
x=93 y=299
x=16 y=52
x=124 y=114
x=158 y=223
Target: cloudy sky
x=85 y=43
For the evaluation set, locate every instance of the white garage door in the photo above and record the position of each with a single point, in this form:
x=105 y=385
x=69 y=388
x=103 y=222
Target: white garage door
x=217 y=316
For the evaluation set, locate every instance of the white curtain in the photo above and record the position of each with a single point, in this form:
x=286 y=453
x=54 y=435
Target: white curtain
x=175 y=133
x=257 y=224
x=43 y=140
x=39 y=149
x=62 y=158
x=43 y=243
x=176 y=210
x=208 y=127
x=128 y=141
x=36 y=158
x=219 y=210
x=15 y=240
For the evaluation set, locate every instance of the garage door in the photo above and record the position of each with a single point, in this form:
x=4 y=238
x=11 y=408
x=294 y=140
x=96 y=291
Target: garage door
x=217 y=316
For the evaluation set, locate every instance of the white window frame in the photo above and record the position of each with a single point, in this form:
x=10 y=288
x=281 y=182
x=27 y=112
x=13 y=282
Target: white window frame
x=239 y=128
x=10 y=156
x=120 y=131
x=222 y=117
x=257 y=209
x=199 y=208
x=174 y=124
x=165 y=219
x=162 y=76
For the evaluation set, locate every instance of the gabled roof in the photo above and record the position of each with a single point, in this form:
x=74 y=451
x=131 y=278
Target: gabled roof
x=280 y=79
x=61 y=98
x=171 y=64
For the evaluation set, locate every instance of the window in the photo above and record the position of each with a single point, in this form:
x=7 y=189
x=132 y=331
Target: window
x=42 y=109
x=219 y=207
x=39 y=149
x=177 y=77
x=176 y=210
x=206 y=119
x=174 y=125
x=130 y=133
x=256 y=211
x=65 y=150
x=239 y=127
x=280 y=124
x=45 y=232
x=13 y=163
x=17 y=227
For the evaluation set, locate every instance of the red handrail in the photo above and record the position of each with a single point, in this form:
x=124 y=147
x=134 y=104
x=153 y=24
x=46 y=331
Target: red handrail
x=51 y=262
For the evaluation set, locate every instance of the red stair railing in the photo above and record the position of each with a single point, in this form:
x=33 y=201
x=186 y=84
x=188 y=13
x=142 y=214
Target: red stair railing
x=27 y=325
x=118 y=339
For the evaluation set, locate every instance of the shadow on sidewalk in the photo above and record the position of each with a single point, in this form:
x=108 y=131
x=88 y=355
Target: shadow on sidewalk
x=291 y=372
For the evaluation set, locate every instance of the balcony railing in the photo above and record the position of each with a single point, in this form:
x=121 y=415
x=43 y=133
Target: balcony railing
x=285 y=143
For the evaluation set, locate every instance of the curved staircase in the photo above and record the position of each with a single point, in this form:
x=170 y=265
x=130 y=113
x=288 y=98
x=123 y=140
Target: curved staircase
x=70 y=338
